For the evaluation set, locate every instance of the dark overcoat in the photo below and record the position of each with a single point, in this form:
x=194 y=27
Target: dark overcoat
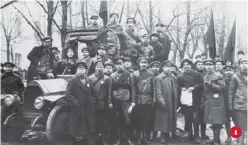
x=165 y=40
x=34 y=57
x=82 y=111
x=166 y=106
x=214 y=103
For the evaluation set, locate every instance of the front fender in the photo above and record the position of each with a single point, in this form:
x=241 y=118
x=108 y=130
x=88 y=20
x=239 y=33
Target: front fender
x=54 y=98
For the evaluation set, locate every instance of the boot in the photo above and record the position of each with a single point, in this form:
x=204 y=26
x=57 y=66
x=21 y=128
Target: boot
x=216 y=130
x=196 y=137
x=162 y=138
x=144 y=139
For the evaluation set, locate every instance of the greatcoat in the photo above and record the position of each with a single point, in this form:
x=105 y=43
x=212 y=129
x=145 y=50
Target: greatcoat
x=166 y=106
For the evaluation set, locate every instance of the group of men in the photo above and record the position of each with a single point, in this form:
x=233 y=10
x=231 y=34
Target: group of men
x=113 y=102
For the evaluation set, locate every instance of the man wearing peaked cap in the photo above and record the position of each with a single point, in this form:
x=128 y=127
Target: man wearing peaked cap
x=219 y=66
x=102 y=54
x=94 y=22
x=155 y=67
x=109 y=69
x=131 y=20
x=128 y=64
x=141 y=58
x=114 y=23
x=157 y=47
x=237 y=96
x=78 y=91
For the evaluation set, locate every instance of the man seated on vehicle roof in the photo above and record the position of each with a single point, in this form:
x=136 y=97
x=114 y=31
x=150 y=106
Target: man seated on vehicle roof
x=94 y=22
x=114 y=23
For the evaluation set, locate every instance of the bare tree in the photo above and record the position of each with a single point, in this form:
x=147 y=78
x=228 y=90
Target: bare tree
x=8 y=3
x=11 y=32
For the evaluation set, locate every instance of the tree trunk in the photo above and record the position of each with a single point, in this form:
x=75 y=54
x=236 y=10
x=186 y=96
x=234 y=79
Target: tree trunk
x=49 y=17
x=64 y=25
x=70 y=16
x=150 y=16
x=83 y=17
x=8 y=47
x=128 y=8
x=86 y=12
x=12 y=55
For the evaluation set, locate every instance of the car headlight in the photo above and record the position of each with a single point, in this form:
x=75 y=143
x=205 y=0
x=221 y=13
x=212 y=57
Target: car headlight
x=9 y=100
x=38 y=103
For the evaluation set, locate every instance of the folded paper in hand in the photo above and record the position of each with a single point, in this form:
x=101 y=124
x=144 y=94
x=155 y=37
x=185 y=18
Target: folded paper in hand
x=186 y=98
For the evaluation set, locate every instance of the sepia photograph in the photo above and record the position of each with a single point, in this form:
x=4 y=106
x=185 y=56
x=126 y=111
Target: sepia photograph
x=123 y=72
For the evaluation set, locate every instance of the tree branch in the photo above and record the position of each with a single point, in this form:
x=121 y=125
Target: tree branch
x=8 y=3
x=30 y=24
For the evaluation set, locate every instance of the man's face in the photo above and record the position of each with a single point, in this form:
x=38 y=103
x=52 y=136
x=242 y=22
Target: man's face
x=159 y=28
x=99 y=68
x=203 y=57
x=81 y=71
x=86 y=54
x=229 y=72
x=130 y=24
x=167 y=69
x=108 y=69
x=47 y=43
x=209 y=67
x=146 y=40
x=186 y=66
x=200 y=66
x=173 y=69
x=114 y=19
x=70 y=53
x=154 y=38
x=243 y=66
x=127 y=64
x=155 y=69
x=119 y=65
x=8 y=68
x=218 y=66
x=143 y=64
x=94 y=21
x=101 y=52
x=240 y=56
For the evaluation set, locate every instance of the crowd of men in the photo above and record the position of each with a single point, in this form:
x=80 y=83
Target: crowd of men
x=113 y=102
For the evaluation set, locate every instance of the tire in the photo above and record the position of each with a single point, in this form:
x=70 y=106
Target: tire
x=57 y=126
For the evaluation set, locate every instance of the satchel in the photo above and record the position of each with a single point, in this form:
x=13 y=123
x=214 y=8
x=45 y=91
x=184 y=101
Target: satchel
x=121 y=94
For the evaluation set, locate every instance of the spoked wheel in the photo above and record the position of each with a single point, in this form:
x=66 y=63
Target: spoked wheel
x=57 y=127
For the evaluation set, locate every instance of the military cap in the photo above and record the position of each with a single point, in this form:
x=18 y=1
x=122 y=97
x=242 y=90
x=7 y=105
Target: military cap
x=243 y=60
x=139 y=59
x=47 y=38
x=81 y=64
x=99 y=61
x=85 y=49
x=119 y=58
x=94 y=17
x=112 y=14
x=198 y=61
x=145 y=35
x=186 y=60
x=103 y=46
x=127 y=59
x=155 y=63
x=173 y=65
x=219 y=60
x=241 y=52
x=134 y=21
x=209 y=61
x=160 y=24
x=10 y=64
x=154 y=34
x=227 y=66
x=166 y=63
x=109 y=64
x=197 y=56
